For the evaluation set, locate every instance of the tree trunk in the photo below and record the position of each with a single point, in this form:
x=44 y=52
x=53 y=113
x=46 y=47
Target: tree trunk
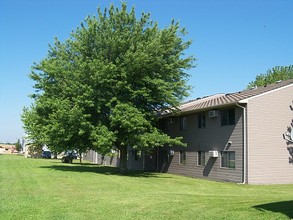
x=123 y=160
x=80 y=158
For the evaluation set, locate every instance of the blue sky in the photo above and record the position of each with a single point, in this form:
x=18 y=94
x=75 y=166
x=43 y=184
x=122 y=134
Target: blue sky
x=233 y=41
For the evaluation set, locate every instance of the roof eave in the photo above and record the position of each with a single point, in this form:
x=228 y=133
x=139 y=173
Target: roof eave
x=243 y=101
x=180 y=113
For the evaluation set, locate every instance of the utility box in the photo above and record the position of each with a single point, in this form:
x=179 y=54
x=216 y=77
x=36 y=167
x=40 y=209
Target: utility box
x=214 y=153
x=213 y=113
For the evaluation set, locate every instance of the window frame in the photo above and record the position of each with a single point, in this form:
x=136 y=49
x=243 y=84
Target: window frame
x=182 y=157
x=227 y=161
x=164 y=125
x=201 y=117
x=201 y=158
x=228 y=117
x=137 y=155
x=183 y=123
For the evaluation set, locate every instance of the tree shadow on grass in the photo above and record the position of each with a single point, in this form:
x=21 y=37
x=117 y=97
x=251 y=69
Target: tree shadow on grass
x=285 y=207
x=106 y=170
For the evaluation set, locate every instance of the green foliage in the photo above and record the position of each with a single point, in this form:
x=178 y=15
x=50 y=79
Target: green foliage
x=273 y=75
x=132 y=128
x=18 y=145
x=104 y=85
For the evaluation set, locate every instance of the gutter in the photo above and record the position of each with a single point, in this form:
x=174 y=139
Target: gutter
x=182 y=113
x=244 y=140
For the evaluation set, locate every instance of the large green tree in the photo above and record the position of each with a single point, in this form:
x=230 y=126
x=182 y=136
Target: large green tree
x=104 y=86
x=273 y=75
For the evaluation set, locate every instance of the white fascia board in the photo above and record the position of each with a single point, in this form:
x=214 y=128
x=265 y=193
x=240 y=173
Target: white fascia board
x=245 y=101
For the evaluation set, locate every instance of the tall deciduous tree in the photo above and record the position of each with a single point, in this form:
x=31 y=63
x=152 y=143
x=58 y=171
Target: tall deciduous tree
x=273 y=75
x=103 y=87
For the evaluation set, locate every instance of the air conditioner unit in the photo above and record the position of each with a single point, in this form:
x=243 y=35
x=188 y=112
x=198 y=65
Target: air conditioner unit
x=214 y=153
x=171 y=152
x=213 y=113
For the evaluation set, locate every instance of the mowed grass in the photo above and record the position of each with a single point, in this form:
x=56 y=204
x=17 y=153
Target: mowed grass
x=48 y=189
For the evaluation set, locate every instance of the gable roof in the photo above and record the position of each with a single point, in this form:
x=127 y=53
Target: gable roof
x=220 y=100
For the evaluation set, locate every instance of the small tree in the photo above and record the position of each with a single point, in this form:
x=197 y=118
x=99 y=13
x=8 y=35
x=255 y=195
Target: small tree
x=18 y=145
x=273 y=75
x=103 y=87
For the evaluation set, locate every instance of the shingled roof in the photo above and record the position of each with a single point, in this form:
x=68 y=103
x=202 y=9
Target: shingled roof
x=220 y=100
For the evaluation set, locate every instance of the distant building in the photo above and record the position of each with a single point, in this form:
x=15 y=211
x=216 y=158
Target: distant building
x=24 y=145
x=29 y=149
x=112 y=159
x=7 y=148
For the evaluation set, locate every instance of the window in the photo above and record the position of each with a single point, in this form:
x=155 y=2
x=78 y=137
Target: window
x=228 y=117
x=163 y=125
x=137 y=154
x=202 y=120
x=200 y=158
x=182 y=158
x=228 y=159
x=183 y=123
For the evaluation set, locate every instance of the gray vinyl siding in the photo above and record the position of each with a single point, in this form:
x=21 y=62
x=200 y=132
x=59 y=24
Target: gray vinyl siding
x=269 y=117
x=100 y=159
x=147 y=161
x=132 y=163
x=212 y=137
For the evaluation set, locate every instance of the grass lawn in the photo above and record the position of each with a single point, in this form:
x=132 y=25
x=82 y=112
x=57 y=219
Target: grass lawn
x=48 y=189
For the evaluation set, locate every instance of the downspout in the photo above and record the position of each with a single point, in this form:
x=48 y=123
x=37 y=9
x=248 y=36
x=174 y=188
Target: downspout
x=244 y=142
